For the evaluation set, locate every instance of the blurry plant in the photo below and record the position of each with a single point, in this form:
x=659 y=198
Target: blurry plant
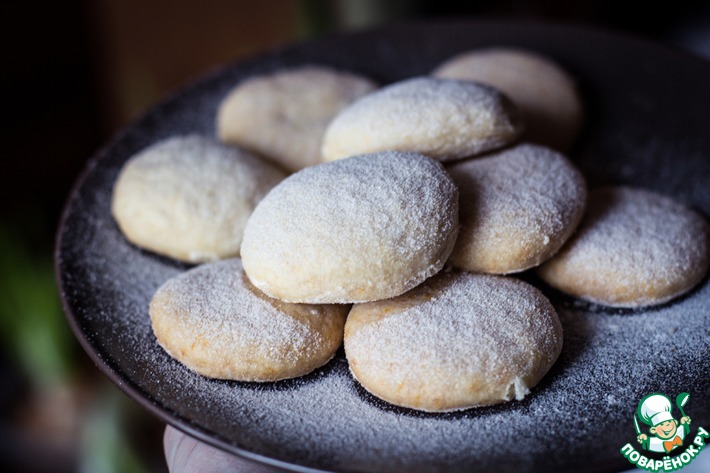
x=66 y=418
x=317 y=17
x=105 y=447
x=31 y=321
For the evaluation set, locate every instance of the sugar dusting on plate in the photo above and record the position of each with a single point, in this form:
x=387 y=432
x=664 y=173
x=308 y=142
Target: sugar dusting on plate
x=575 y=419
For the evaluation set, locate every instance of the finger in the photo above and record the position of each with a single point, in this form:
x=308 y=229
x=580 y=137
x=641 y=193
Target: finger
x=185 y=454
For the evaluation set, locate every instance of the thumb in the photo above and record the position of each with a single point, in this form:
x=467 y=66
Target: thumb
x=185 y=454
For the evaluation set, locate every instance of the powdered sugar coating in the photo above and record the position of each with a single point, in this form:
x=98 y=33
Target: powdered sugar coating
x=188 y=197
x=284 y=114
x=325 y=420
x=458 y=340
x=443 y=119
x=517 y=208
x=213 y=321
x=634 y=248
x=361 y=229
x=546 y=93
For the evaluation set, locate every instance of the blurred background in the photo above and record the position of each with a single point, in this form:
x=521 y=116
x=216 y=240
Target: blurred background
x=76 y=71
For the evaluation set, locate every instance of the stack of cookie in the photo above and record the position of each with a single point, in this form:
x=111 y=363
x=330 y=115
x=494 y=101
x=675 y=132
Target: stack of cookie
x=408 y=209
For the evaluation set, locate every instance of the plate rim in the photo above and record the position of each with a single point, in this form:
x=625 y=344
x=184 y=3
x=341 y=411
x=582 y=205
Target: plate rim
x=123 y=381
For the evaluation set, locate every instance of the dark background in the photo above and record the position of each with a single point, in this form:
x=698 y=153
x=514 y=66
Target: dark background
x=75 y=72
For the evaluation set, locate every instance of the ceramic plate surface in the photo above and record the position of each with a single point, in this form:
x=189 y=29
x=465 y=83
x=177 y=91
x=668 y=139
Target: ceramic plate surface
x=648 y=110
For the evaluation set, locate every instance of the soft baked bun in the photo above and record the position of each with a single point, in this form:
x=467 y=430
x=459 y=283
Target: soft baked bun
x=283 y=115
x=459 y=340
x=189 y=197
x=544 y=91
x=442 y=119
x=216 y=323
x=517 y=207
x=359 y=229
x=634 y=248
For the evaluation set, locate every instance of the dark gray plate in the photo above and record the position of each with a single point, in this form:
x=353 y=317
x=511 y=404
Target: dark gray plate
x=647 y=125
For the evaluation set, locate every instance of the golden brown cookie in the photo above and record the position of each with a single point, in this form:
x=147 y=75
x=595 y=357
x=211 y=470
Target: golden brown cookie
x=358 y=229
x=189 y=197
x=634 y=248
x=442 y=119
x=459 y=340
x=517 y=208
x=283 y=115
x=544 y=91
x=216 y=323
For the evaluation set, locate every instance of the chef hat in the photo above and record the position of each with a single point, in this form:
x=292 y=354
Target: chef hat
x=655 y=409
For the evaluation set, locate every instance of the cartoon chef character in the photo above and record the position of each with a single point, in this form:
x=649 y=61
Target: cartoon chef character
x=655 y=410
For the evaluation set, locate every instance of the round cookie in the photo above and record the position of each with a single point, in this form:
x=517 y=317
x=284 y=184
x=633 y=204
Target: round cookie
x=544 y=91
x=517 y=208
x=442 y=119
x=283 y=115
x=189 y=197
x=459 y=340
x=359 y=229
x=216 y=323
x=634 y=248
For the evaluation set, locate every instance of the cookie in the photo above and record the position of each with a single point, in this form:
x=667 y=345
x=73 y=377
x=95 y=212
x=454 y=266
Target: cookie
x=189 y=197
x=442 y=119
x=544 y=91
x=517 y=208
x=216 y=323
x=283 y=115
x=457 y=341
x=634 y=248
x=359 y=229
